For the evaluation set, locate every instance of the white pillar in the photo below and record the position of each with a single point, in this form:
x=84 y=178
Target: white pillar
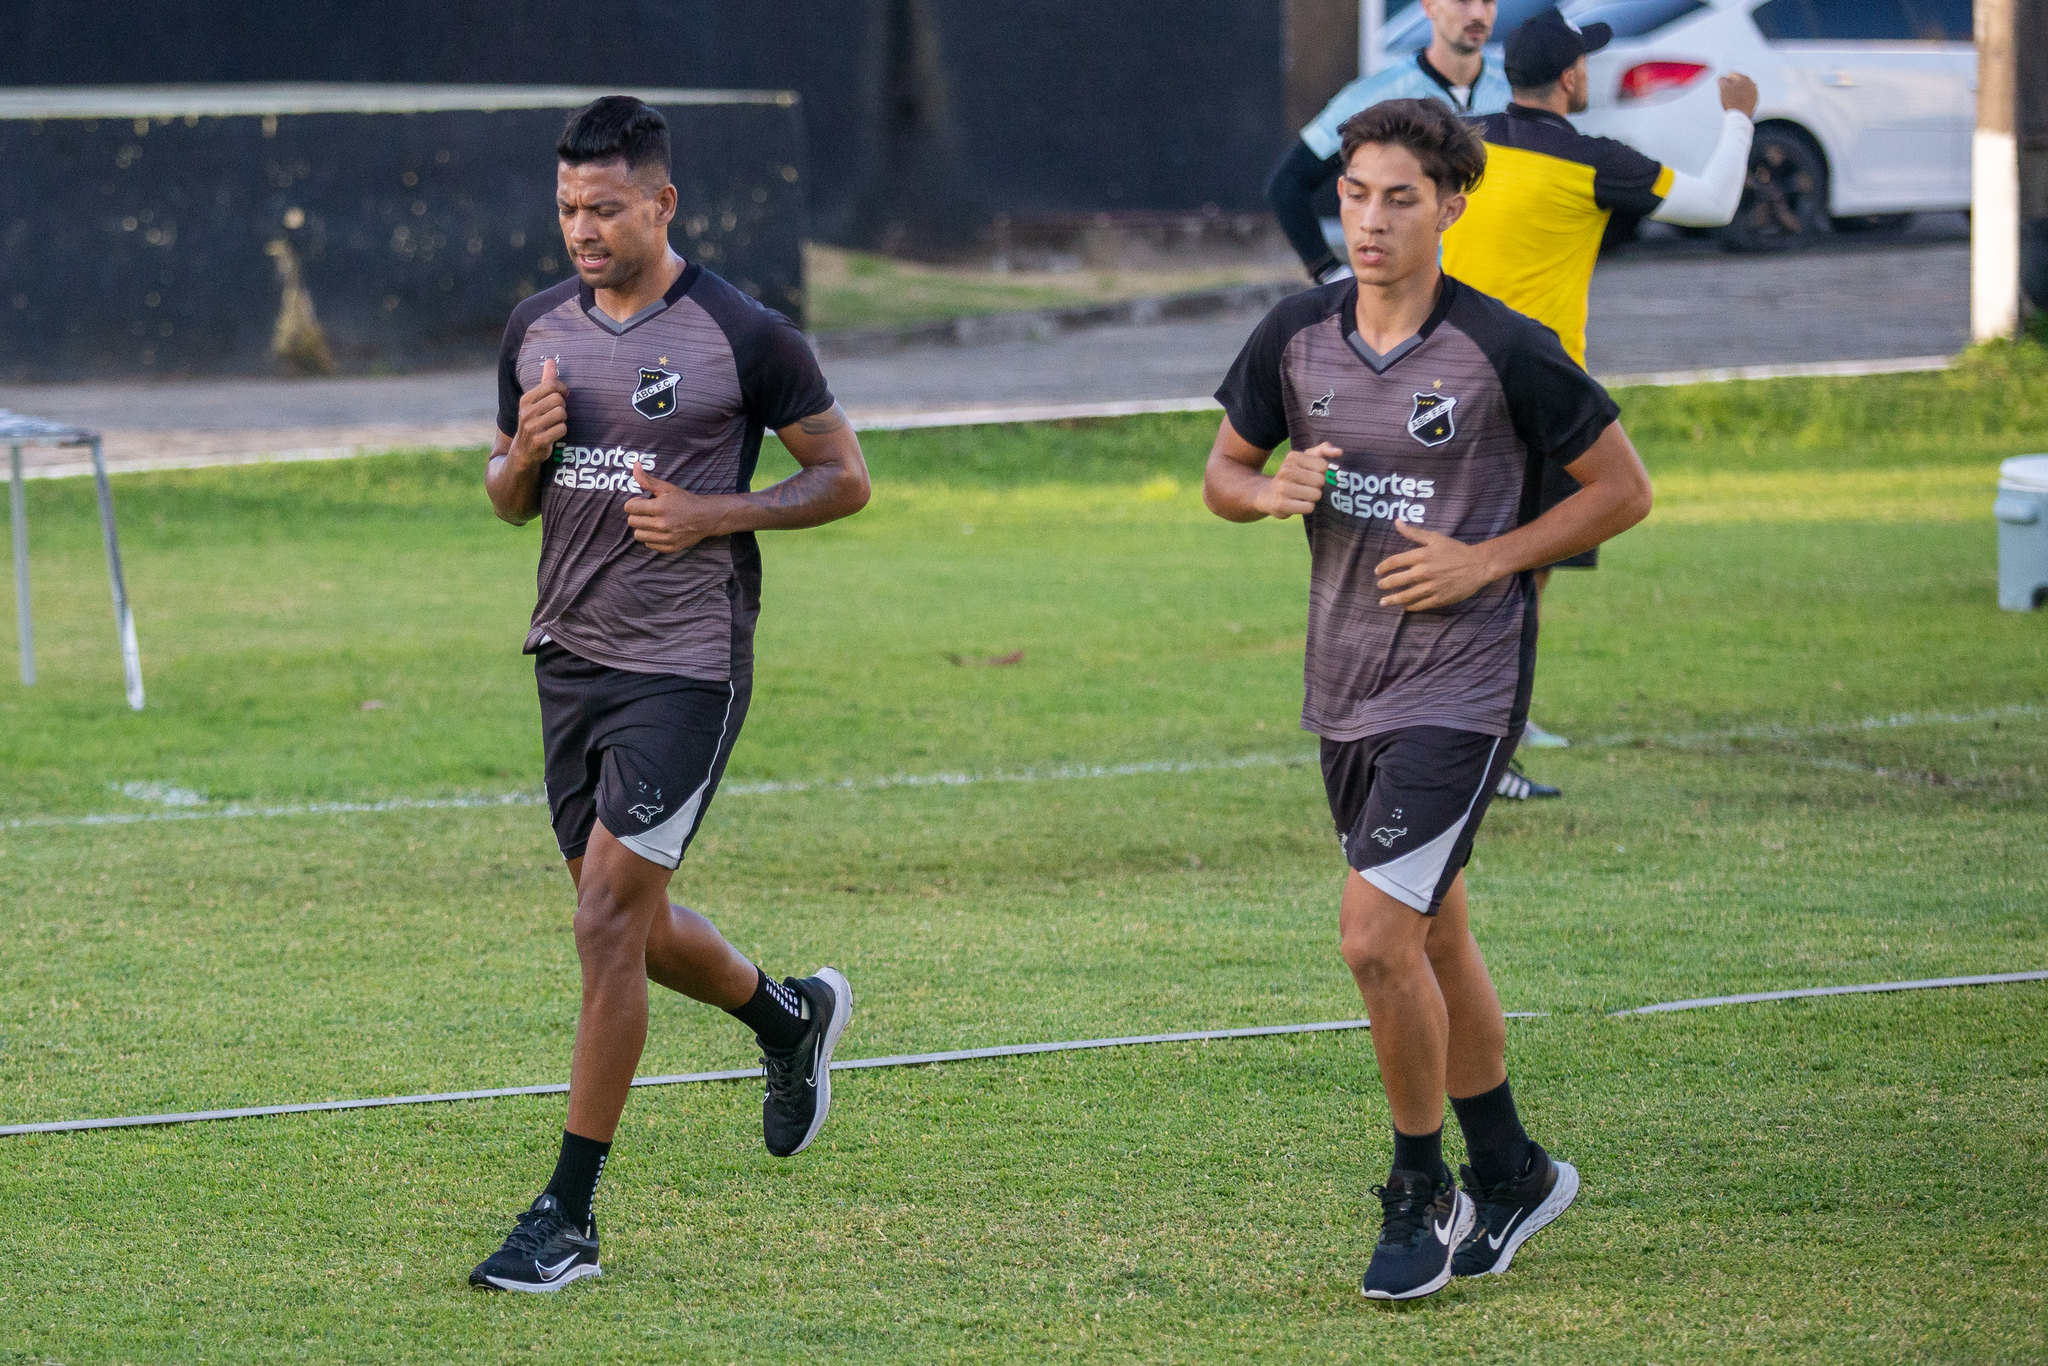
x=1372 y=21
x=1994 y=181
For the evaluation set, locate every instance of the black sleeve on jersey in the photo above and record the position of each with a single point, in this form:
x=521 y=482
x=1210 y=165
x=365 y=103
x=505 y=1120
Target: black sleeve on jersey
x=1299 y=178
x=780 y=381
x=1558 y=409
x=1252 y=394
x=509 y=389
x=1624 y=180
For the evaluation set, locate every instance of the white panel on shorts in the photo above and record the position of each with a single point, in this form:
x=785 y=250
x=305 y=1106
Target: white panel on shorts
x=1412 y=878
x=664 y=843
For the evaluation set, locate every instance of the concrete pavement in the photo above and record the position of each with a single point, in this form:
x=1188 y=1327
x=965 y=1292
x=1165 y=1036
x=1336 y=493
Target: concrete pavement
x=1652 y=311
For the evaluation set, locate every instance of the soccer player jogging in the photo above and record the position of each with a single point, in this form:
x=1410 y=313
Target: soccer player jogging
x=1420 y=415
x=1531 y=233
x=632 y=400
x=1452 y=67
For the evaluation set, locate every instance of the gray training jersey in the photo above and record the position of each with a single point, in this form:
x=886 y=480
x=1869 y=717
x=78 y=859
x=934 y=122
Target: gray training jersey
x=1447 y=431
x=686 y=386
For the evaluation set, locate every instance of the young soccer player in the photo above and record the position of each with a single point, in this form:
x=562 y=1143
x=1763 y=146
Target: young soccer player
x=631 y=404
x=1420 y=416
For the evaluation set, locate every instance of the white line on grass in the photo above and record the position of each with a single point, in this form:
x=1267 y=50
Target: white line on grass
x=1051 y=774
x=1015 y=1050
x=1059 y=773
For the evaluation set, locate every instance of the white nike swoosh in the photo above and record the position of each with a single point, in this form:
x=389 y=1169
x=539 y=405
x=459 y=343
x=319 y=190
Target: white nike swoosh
x=548 y=1273
x=1495 y=1242
x=1443 y=1230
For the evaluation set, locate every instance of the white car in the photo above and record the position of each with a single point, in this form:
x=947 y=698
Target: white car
x=1866 y=107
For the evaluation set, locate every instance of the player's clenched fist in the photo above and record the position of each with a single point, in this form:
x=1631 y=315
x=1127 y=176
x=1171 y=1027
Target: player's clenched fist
x=667 y=519
x=1738 y=92
x=543 y=417
x=1297 y=486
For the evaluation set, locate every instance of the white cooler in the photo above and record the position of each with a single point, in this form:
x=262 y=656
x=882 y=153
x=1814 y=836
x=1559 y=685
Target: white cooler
x=2022 y=512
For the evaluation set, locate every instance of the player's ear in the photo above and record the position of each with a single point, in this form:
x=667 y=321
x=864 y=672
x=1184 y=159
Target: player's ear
x=1449 y=211
x=665 y=204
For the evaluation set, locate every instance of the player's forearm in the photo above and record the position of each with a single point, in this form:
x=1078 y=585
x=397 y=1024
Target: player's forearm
x=513 y=483
x=1231 y=490
x=1291 y=190
x=813 y=496
x=1597 y=513
x=1709 y=199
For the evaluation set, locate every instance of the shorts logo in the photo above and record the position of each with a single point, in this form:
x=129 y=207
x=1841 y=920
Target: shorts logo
x=645 y=813
x=1431 y=422
x=1321 y=407
x=656 y=396
x=1386 y=836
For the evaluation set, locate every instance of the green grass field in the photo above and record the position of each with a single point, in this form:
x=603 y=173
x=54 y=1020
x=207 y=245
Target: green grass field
x=1853 y=1179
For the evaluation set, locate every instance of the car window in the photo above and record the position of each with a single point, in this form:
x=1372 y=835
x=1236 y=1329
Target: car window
x=1874 y=20
x=1946 y=21
x=1634 y=18
x=1784 y=20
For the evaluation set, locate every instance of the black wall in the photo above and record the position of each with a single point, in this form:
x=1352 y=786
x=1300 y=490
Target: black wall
x=155 y=246
x=925 y=117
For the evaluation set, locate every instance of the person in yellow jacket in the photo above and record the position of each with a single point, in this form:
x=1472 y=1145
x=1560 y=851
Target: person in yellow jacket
x=1531 y=232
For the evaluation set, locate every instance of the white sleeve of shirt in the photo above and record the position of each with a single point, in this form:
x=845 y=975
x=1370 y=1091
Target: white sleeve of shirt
x=1709 y=199
x=1324 y=135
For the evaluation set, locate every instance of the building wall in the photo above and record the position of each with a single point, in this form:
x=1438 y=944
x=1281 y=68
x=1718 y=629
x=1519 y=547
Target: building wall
x=926 y=117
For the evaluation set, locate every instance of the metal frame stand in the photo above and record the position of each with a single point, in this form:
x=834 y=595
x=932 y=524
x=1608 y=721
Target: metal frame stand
x=20 y=430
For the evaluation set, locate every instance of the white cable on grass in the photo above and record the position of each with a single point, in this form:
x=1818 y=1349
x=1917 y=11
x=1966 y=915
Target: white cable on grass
x=1014 y=1050
x=1920 y=984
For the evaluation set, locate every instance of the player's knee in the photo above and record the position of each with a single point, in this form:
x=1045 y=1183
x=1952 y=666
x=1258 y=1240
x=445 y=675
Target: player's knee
x=604 y=922
x=1373 y=956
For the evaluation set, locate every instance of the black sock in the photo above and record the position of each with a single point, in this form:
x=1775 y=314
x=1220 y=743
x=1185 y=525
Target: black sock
x=574 y=1184
x=1494 y=1137
x=774 y=1012
x=1420 y=1153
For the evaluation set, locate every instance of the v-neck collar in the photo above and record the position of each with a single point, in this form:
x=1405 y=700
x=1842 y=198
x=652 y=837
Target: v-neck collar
x=1379 y=363
x=691 y=270
x=1445 y=84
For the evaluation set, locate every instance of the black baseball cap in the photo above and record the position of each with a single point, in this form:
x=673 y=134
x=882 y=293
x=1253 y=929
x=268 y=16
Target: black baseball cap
x=1545 y=47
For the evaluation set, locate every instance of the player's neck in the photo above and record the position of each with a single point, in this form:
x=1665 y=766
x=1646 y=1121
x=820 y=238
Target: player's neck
x=1389 y=314
x=646 y=288
x=1461 y=68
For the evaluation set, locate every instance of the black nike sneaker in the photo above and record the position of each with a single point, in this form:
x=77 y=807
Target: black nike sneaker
x=1517 y=786
x=800 y=1080
x=1513 y=1210
x=544 y=1253
x=1424 y=1219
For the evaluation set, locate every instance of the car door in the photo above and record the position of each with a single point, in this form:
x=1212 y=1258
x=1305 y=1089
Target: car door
x=1869 y=62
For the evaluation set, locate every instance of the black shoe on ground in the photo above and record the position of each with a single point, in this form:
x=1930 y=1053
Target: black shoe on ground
x=1425 y=1218
x=1513 y=1210
x=544 y=1253
x=1517 y=786
x=800 y=1080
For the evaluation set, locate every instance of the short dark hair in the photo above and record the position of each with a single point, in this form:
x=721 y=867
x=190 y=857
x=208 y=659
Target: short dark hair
x=1451 y=151
x=617 y=126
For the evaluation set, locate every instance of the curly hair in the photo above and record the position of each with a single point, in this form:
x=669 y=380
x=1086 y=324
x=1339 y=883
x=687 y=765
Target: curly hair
x=1451 y=151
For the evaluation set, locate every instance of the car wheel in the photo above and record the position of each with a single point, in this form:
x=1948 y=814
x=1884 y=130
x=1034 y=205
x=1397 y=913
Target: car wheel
x=1871 y=222
x=1784 y=203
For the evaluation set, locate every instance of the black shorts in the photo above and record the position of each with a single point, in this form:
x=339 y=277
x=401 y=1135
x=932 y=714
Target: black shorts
x=1558 y=486
x=641 y=752
x=1407 y=804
